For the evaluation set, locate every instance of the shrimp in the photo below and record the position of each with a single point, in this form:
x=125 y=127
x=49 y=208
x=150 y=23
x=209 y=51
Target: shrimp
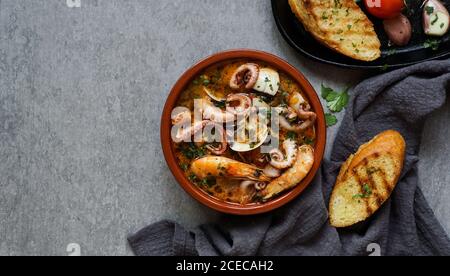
x=293 y=176
x=215 y=166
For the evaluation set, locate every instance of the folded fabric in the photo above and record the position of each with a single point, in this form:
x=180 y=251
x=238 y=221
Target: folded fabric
x=404 y=225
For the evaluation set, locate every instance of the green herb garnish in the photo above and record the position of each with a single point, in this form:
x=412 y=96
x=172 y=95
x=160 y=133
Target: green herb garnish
x=184 y=166
x=291 y=135
x=429 y=10
x=308 y=141
x=330 y=119
x=220 y=104
x=191 y=151
x=433 y=44
x=337 y=101
x=367 y=192
x=208 y=182
x=436 y=18
x=391 y=52
x=193 y=178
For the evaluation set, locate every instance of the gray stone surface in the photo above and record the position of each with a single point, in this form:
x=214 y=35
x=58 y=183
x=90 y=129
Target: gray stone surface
x=81 y=93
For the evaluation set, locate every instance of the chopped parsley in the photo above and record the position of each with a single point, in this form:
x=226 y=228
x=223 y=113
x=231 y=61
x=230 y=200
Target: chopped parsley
x=291 y=135
x=436 y=18
x=269 y=114
x=207 y=182
x=184 y=166
x=191 y=151
x=220 y=104
x=429 y=10
x=367 y=192
x=193 y=178
x=309 y=141
x=203 y=80
x=391 y=52
x=433 y=44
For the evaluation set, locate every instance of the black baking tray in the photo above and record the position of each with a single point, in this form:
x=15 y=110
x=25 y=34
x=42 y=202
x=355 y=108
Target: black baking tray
x=392 y=57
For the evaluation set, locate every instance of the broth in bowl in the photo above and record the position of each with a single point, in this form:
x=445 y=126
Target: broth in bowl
x=244 y=132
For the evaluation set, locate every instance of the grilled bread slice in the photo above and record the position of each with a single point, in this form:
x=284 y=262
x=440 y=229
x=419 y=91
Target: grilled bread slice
x=340 y=25
x=367 y=179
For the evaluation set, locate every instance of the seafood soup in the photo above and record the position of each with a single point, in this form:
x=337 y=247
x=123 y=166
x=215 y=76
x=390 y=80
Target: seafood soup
x=244 y=132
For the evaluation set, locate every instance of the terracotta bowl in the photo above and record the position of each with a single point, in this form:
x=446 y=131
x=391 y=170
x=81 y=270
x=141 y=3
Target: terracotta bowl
x=168 y=149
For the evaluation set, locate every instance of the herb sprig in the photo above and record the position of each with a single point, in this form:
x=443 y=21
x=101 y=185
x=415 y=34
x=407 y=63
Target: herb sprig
x=367 y=192
x=336 y=102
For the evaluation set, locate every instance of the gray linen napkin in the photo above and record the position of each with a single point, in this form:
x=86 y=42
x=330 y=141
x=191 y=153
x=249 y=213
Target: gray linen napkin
x=405 y=225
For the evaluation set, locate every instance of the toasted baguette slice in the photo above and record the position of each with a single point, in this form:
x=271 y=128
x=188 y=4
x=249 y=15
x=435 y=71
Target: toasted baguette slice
x=367 y=179
x=340 y=25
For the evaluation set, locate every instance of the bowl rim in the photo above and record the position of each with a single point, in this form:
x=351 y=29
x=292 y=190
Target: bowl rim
x=168 y=150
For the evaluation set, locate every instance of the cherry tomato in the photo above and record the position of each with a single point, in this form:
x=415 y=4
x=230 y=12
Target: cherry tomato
x=385 y=9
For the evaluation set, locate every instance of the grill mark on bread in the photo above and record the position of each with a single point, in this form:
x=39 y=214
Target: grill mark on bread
x=369 y=181
x=361 y=190
x=386 y=185
x=375 y=192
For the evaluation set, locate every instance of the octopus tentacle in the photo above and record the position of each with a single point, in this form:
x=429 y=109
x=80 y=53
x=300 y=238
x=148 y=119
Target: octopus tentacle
x=215 y=114
x=184 y=135
x=244 y=104
x=279 y=161
x=245 y=76
x=258 y=186
x=221 y=148
x=181 y=116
